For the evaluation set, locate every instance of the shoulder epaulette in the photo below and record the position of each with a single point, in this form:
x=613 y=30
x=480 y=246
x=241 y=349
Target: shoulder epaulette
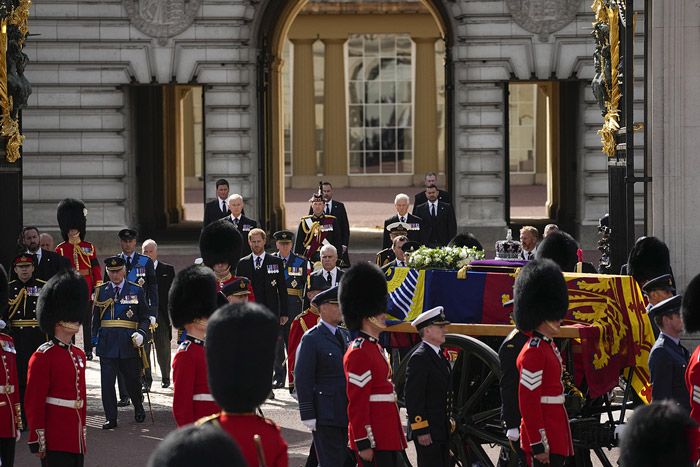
x=45 y=346
x=184 y=345
x=357 y=343
x=535 y=341
x=40 y=281
x=12 y=282
x=330 y=216
x=214 y=418
x=307 y=217
x=134 y=283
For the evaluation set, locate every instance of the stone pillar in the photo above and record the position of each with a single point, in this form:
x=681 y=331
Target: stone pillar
x=335 y=125
x=425 y=123
x=303 y=112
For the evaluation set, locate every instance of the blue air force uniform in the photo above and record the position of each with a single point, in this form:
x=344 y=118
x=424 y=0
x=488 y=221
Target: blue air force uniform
x=119 y=311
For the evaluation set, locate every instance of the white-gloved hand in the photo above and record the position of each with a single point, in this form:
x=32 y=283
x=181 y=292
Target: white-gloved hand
x=3 y=324
x=513 y=434
x=152 y=319
x=17 y=437
x=137 y=338
x=620 y=431
x=310 y=424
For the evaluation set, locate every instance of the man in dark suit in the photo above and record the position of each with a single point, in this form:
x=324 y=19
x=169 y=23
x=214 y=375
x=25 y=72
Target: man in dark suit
x=320 y=382
x=266 y=273
x=439 y=221
x=668 y=359
x=337 y=209
x=428 y=391
x=163 y=334
x=329 y=272
x=240 y=221
x=415 y=224
x=218 y=208
x=48 y=263
x=430 y=179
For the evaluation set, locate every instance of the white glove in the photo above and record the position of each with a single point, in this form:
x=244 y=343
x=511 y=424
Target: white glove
x=137 y=338
x=620 y=431
x=513 y=434
x=310 y=424
x=17 y=438
x=152 y=319
x=2 y=324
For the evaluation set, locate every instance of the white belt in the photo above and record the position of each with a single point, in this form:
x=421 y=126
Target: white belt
x=203 y=397
x=382 y=397
x=77 y=404
x=552 y=399
x=7 y=389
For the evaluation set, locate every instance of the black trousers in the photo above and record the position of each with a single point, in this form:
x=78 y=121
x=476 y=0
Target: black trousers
x=130 y=368
x=62 y=459
x=147 y=375
x=435 y=455
x=162 y=338
x=294 y=306
x=87 y=330
x=7 y=451
x=331 y=444
x=555 y=460
x=512 y=456
x=385 y=459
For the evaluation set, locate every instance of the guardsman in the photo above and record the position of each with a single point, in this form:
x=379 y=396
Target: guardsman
x=541 y=302
x=656 y=291
x=240 y=354
x=10 y=418
x=690 y=312
x=120 y=325
x=648 y=258
x=316 y=230
x=21 y=315
x=375 y=429
x=197 y=445
x=236 y=291
x=220 y=247
x=55 y=400
x=668 y=359
x=428 y=391
x=192 y=300
x=72 y=219
x=387 y=255
x=296 y=269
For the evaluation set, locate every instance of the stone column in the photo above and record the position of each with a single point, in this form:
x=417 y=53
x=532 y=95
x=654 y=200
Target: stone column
x=335 y=125
x=425 y=124
x=303 y=112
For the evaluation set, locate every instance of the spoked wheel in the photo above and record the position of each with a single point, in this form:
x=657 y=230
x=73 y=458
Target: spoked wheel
x=477 y=401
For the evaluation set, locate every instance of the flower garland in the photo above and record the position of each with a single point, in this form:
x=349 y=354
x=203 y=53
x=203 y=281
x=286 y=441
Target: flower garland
x=450 y=257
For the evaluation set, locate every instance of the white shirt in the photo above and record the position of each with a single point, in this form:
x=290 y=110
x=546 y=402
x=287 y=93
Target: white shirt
x=329 y=207
x=119 y=286
x=155 y=264
x=677 y=340
x=330 y=327
x=432 y=207
x=405 y=217
x=235 y=219
x=224 y=203
x=434 y=347
x=37 y=254
x=255 y=259
x=334 y=273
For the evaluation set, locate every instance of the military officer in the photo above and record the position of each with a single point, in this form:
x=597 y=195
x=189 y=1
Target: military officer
x=316 y=230
x=55 y=397
x=296 y=269
x=10 y=419
x=236 y=291
x=428 y=391
x=72 y=219
x=656 y=291
x=387 y=255
x=120 y=324
x=408 y=249
x=192 y=300
x=400 y=260
x=240 y=354
x=21 y=315
x=541 y=302
x=374 y=428
x=690 y=312
x=668 y=358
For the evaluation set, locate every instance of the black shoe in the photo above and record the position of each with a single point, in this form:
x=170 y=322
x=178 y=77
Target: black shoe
x=278 y=384
x=123 y=402
x=146 y=388
x=271 y=395
x=140 y=415
x=109 y=425
x=165 y=383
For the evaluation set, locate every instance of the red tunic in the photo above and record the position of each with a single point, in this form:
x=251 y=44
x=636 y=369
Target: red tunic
x=191 y=397
x=545 y=424
x=10 y=419
x=692 y=382
x=302 y=323
x=373 y=415
x=243 y=427
x=84 y=260
x=55 y=398
x=221 y=283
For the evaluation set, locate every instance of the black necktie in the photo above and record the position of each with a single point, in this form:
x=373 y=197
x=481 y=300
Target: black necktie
x=128 y=263
x=339 y=336
x=284 y=262
x=328 y=208
x=328 y=279
x=258 y=262
x=235 y=222
x=432 y=209
x=223 y=207
x=403 y=219
x=116 y=293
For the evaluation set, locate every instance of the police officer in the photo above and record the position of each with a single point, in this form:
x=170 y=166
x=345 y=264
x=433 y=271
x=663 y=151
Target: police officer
x=296 y=269
x=56 y=394
x=668 y=358
x=428 y=391
x=375 y=429
x=120 y=324
x=541 y=302
x=21 y=315
x=320 y=382
x=192 y=300
x=240 y=353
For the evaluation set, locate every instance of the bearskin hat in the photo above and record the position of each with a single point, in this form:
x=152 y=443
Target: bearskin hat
x=561 y=248
x=203 y=444
x=240 y=348
x=648 y=259
x=466 y=239
x=63 y=298
x=658 y=434
x=690 y=308
x=540 y=294
x=363 y=293
x=192 y=295
x=71 y=214
x=220 y=242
